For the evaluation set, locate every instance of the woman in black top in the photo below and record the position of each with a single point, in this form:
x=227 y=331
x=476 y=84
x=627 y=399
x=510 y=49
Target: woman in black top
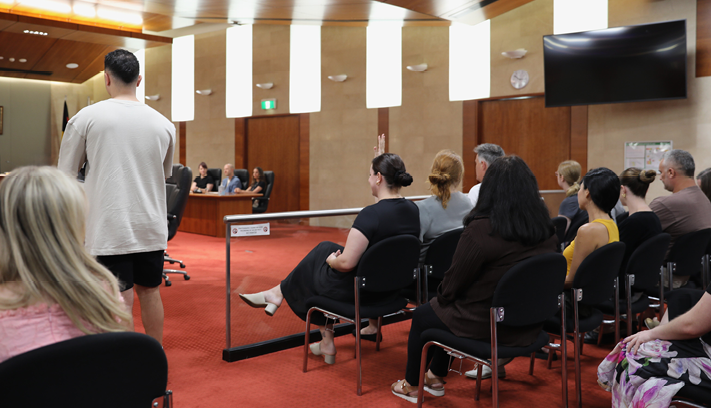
x=204 y=182
x=328 y=270
x=642 y=223
x=258 y=183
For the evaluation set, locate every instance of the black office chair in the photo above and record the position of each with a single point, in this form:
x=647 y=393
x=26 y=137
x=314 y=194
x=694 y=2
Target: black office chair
x=642 y=274
x=560 y=223
x=692 y=397
x=177 y=190
x=595 y=281
x=706 y=267
x=263 y=202
x=535 y=281
x=109 y=370
x=217 y=176
x=243 y=176
x=683 y=260
x=386 y=267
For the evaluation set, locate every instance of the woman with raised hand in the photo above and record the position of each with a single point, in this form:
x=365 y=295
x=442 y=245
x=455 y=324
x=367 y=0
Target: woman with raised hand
x=328 y=270
x=510 y=223
x=443 y=211
x=51 y=289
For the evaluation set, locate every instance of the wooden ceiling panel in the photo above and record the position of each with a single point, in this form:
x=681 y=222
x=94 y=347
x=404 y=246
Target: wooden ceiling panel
x=17 y=46
x=94 y=67
x=64 y=52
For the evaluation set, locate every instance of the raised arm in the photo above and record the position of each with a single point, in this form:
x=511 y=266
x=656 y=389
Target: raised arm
x=380 y=148
x=356 y=244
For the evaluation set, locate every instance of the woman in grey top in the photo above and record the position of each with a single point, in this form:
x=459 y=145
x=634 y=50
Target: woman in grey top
x=443 y=211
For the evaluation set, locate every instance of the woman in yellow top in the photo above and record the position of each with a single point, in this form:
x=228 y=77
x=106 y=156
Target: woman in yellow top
x=598 y=194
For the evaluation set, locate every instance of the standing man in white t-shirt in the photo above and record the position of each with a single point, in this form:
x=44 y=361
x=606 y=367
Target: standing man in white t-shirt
x=128 y=147
x=486 y=153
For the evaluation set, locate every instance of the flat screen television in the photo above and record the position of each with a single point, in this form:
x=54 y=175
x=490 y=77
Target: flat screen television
x=622 y=64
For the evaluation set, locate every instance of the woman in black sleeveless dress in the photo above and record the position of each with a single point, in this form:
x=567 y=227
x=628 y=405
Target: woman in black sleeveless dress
x=328 y=270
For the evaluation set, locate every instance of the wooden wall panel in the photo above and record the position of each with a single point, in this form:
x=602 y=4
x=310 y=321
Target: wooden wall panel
x=241 y=143
x=304 y=163
x=525 y=127
x=182 y=129
x=272 y=144
x=703 y=38
x=579 y=135
x=469 y=142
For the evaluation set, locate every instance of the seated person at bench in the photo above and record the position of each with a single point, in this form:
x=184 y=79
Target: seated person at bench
x=203 y=182
x=258 y=183
x=230 y=183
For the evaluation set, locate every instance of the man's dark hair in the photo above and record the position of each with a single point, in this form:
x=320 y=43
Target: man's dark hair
x=509 y=197
x=123 y=65
x=604 y=187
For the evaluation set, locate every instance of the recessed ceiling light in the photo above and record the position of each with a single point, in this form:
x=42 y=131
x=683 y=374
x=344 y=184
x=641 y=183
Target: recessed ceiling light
x=72 y=65
x=2 y=58
x=23 y=60
x=34 y=32
x=11 y=60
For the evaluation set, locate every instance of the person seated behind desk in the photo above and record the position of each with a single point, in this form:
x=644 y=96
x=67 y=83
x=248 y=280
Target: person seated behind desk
x=509 y=223
x=259 y=185
x=203 y=182
x=51 y=289
x=231 y=183
x=328 y=270
x=442 y=212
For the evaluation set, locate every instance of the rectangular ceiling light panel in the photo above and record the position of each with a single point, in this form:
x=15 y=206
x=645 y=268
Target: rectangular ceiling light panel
x=238 y=78
x=183 y=80
x=469 y=61
x=305 y=69
x=572 y=16
x=383 y=66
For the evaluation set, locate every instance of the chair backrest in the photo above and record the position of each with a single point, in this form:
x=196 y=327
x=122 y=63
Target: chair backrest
x=441 y=251
x=177 y=190
x=688 y=250
x=269 y=179
x=597 y=272
x=217 y=176
x=645 y=261
x=111 y=370
x=529 y=291
x=243 y=176
x=575 y=225
x=560 y=223
x=390 y=264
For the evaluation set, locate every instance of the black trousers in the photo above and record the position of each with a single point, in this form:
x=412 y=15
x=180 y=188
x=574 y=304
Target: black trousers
x=425 y=318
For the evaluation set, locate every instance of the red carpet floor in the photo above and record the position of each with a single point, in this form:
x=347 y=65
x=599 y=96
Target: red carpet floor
x=195 y=337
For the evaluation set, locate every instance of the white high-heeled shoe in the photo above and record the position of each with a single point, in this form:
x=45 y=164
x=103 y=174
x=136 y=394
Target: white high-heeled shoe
x=316 y=350
x=257 y=300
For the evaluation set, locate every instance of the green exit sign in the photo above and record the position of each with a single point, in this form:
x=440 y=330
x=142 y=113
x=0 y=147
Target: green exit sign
x=268 y=104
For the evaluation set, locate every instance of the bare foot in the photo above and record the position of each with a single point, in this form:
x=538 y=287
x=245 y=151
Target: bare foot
x=274 y=296
x=369 y=330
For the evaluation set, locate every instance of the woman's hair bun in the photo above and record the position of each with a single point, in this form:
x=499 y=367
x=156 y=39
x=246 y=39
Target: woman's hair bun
x=647 y=176
x=403 y=178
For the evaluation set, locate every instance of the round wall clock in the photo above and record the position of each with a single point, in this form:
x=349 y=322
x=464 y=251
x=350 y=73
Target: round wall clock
x=519 y=78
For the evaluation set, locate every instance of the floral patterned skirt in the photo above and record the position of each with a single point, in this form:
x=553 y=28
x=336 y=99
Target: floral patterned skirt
x=656 y=373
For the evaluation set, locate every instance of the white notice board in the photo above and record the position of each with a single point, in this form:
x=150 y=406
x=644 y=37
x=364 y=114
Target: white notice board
x=645 y=155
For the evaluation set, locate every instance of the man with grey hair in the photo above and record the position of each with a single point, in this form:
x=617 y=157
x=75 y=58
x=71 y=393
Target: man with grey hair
x=486 y=153
x=687 y=209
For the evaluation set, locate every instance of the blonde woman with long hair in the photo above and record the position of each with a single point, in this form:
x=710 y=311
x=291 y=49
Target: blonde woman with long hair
x=442 y=212
x=51 y=289
x=568 y=178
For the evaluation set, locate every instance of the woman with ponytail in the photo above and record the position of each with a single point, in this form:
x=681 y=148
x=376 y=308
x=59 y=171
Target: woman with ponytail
x=329 y=269
x=568 y=177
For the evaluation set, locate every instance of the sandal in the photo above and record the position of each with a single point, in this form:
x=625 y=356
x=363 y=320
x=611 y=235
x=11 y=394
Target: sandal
x=406 y=391
x=434 y=386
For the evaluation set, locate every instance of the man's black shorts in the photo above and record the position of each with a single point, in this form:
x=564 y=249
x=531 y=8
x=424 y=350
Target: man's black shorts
x=143 y=268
